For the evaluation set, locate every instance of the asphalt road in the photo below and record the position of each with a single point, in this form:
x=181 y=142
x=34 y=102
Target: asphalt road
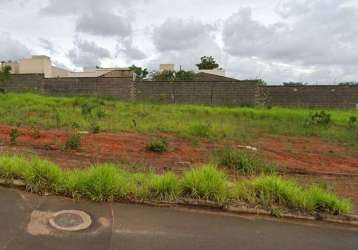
x=24 y=225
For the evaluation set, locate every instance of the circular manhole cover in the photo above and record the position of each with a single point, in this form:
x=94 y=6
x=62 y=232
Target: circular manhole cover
x=70 y=220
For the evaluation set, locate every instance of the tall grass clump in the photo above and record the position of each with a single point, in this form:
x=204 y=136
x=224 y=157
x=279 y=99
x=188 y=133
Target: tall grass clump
x=205 y=182
x=41 y=175
x=107 y=182
x=243 y=161
x=99 y=183
x=166 y=186
x=271 y=190
x=200 y=130
x=324 y=201
x=12 y=167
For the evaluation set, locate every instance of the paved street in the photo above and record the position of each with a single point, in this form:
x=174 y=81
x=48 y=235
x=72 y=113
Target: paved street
x=24 y=225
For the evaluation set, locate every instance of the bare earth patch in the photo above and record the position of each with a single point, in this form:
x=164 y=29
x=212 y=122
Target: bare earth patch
x=306 y=159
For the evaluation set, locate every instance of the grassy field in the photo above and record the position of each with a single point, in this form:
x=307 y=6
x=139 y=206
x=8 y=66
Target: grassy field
x=185 y=120
x=110 y=182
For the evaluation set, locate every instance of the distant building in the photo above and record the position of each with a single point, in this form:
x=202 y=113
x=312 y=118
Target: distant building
x=43 y=65
x=166 y=67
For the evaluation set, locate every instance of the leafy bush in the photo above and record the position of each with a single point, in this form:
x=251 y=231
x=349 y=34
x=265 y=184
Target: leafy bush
x=95 y=129
x=86 y=108
x=320 y=118
x=14 y=133
x=73 y=142
x=158 y=145
x=352 y=121
x=243 y=161
x=205 y=182
x=165 y=186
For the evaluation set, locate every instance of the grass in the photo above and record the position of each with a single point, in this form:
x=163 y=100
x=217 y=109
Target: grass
x=157 y=145
x=185 y=120
x=205 y=183
x=272 y=190
x=243 y=161
x=107 y=182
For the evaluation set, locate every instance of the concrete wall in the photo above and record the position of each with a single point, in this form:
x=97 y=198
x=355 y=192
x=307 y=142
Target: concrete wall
x=322 y=96
x=199 y=92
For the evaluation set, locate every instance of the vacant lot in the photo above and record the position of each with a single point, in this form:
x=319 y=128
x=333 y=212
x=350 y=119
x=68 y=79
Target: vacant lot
x=306 y=144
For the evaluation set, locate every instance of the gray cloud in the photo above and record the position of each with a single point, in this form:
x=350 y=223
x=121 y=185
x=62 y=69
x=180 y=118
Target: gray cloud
x=47 y=44
x=87 y=54
x=316 y=33
x=179 y=34
x=183 y=42
x=11 y=49
x=126 y=48
x=104 y=24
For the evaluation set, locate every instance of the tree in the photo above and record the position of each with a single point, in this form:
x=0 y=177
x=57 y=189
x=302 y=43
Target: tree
x=141 y=73
x=207 y=62
x=183 y=75
x=168 y=75
x=4 y=72
x=165 y=75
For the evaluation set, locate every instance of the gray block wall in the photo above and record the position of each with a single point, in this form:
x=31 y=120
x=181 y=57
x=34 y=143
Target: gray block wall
x=195 y=92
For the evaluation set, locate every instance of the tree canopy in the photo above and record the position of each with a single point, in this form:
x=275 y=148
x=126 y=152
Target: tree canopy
x=4 y=72
x=207 y=62
x=141 y=73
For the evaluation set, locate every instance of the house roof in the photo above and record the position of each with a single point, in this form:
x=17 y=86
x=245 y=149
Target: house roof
x=202 y=76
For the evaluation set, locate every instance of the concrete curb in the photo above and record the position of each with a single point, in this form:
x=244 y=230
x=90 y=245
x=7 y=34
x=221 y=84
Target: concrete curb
x=349 y=220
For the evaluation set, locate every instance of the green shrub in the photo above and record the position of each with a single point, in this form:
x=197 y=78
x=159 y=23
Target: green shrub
x=41 y=175
x=14 y=133
x=205 y=182
x=95 y=129
x=243 y=161
x=352 y=121
x=73 y=142
x=158 y=145
x=86 y=108
x=165 y=186
x=320 y=118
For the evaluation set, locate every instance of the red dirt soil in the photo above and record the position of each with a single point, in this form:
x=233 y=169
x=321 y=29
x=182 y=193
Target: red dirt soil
x=292 y=154
x=315 y=159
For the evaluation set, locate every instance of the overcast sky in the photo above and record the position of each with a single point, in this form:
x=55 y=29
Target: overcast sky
x=312 y=41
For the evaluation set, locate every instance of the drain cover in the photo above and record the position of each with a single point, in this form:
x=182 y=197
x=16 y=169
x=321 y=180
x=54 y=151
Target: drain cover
x=70 y=220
